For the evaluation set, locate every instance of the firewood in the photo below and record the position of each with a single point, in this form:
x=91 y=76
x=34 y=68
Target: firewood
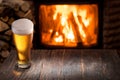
x=4 y=45
x=5 y=53
x=20 y=13
x=75 y=28
x=10 y=20
x=3 y=26
x=25 y=7
x=9 y=32
x=88 y=36
x=5 y=19
x=29 y=14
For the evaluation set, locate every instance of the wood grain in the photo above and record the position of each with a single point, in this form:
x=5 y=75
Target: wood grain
x=65 y=64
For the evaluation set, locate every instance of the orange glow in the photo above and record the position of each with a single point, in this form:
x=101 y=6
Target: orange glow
x=68 y=25
x=59 y=39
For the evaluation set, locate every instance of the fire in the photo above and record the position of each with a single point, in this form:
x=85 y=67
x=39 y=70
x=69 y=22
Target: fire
x=59 y=39
x=72 y=24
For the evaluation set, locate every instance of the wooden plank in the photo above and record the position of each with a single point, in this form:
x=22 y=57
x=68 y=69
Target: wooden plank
x=110 y=65
x=92 y=65
x=71 y=69
x=65 y=64
x=5 y=71
x=51 y=65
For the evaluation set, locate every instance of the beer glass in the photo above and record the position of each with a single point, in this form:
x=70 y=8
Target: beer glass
x=23 y=34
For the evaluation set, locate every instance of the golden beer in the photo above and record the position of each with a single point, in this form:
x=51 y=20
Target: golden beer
x=23 y=35
x=23 y=46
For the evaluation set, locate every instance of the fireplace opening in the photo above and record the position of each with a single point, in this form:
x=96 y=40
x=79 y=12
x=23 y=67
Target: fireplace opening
x=69 y=25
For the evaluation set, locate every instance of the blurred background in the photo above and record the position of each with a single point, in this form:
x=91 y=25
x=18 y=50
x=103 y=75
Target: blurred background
x=11 y=10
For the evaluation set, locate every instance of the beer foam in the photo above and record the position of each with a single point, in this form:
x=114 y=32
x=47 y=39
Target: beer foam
x=22 y=26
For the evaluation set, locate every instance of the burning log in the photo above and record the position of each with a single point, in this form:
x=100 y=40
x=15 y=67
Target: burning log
x=57 y=28
x=88 y=38
x=75 y=28
x=79 y=36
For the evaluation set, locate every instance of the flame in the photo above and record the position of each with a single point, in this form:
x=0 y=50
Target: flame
x=59 y=39
x=73 y=22
x=67 y=29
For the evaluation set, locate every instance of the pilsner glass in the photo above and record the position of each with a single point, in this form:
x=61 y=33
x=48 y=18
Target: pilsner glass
x=23 y=36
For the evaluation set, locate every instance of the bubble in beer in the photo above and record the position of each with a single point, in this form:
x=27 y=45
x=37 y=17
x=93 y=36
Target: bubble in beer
x=22 y=26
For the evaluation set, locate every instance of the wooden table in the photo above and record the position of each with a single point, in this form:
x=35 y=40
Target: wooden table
x=65 y=64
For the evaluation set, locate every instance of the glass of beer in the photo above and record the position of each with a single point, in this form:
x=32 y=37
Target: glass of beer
x=23 y=35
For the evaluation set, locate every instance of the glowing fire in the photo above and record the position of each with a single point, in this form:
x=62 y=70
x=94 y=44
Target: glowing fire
x=69 y=25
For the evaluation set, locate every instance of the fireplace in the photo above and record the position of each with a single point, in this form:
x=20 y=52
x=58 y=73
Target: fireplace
x=69 y=24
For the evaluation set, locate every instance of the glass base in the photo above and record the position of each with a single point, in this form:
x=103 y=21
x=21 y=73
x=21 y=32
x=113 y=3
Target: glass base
x=24 y=66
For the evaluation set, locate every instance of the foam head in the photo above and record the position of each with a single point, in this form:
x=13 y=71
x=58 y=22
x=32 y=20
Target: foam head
x=22 y=26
